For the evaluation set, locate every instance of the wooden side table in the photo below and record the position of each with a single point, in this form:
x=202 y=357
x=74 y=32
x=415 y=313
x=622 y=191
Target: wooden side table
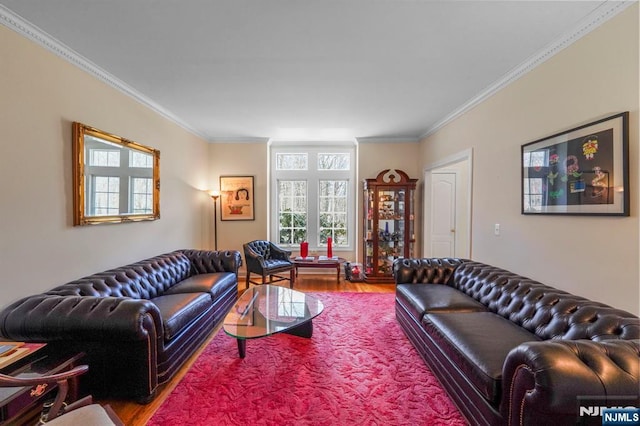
x=23 y=405
x=315 y=263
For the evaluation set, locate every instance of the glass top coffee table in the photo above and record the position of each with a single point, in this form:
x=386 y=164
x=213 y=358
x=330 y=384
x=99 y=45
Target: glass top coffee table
x=267 y=309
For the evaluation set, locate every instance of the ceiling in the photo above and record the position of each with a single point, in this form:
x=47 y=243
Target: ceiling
x=235 y=70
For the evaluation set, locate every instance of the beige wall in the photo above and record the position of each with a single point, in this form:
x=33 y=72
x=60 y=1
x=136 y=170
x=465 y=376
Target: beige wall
x=596 y=257
x=39 y=248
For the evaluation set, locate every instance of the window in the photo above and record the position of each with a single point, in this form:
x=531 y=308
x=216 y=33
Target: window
x=104 y=157
x=334 y=161
x=118 y=180
x=537 y=163
x=140 y=159
x=313 y=194
x=291 y=304
x=292 y=161
x=292 y=211
x=142 y=195
x=106 y=195
x=333 y=211
x=532 y=194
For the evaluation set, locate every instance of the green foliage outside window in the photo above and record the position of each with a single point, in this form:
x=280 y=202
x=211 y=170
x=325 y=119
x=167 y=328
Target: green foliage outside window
x=293 y=227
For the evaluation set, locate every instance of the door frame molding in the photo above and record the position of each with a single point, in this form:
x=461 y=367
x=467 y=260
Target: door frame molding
x=466 y=155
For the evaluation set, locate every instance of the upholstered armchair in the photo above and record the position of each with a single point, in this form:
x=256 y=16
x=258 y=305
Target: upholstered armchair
x=81 y=412
x=268 y=260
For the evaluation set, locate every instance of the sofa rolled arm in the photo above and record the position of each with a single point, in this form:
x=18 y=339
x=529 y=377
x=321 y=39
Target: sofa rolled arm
x=543 y=380
x=208 y=261
x=434 y=270
x=48 y=318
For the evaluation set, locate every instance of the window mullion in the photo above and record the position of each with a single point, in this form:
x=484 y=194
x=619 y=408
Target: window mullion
x=312 y=209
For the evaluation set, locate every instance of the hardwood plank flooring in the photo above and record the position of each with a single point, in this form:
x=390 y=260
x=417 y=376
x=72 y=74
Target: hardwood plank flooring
x=133 y=414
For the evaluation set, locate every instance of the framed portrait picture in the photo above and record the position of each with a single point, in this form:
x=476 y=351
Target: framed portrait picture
x=582 y=171
x=237 y=198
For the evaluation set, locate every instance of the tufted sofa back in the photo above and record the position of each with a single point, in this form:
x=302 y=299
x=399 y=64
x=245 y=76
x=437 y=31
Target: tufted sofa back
x=545 y=311
x=433 y=270
x=141 y=280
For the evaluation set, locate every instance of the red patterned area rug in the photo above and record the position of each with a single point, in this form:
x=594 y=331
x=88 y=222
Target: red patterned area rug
x=358 y=369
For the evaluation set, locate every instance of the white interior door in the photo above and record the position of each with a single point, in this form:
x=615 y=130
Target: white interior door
x=443 y=214
x=447 y=205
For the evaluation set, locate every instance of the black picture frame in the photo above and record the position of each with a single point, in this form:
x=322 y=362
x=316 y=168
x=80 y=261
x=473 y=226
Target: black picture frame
x=581 y=171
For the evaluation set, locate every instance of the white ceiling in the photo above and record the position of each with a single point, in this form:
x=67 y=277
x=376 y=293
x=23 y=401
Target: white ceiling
x=255 y=69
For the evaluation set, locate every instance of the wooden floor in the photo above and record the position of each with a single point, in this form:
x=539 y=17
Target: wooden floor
x=133 y=414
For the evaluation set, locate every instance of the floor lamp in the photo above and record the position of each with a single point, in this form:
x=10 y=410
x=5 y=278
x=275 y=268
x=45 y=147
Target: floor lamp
x=215 y=195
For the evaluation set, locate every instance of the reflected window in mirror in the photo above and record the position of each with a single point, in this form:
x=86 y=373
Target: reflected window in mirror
x=117 y=180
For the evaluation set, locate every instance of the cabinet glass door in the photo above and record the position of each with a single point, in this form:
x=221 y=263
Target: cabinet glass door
x=388 y=223
x=369 y=231
x=391 y=228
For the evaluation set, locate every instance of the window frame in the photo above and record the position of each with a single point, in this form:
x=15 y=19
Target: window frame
x=125 y=172
x=147 y=195
x=313 y=176
x=94 y=193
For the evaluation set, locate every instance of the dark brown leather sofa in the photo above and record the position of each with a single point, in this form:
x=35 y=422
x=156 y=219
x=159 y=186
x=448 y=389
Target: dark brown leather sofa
x=138 y=323
x=510 y=350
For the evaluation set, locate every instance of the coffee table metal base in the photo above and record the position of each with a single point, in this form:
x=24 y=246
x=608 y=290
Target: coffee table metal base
x=303 y=330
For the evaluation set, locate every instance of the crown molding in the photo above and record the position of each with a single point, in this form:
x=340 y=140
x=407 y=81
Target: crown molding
x=14 y=22
x=274 y=142
x=391 y=139
x=600 y=15
x=236 y=140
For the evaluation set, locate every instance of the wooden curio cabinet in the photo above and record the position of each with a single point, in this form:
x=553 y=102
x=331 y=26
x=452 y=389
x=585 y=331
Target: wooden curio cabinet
x=389 y=230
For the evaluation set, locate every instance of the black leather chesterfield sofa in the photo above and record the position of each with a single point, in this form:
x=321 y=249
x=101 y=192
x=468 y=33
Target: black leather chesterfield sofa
x=138 y=323
x=510 y=350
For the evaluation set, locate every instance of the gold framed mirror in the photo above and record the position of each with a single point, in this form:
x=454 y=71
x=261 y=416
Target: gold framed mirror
x=115 y=180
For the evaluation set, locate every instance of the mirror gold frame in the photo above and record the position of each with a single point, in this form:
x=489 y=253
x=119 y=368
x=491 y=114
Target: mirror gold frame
x=115 y=180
